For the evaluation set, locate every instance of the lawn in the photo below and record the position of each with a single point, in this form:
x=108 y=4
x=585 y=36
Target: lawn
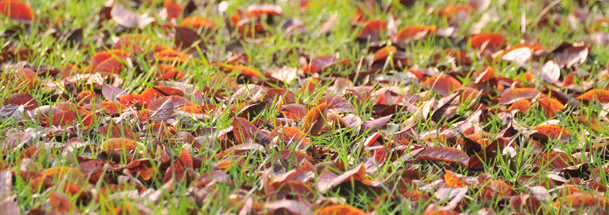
x=304 y=107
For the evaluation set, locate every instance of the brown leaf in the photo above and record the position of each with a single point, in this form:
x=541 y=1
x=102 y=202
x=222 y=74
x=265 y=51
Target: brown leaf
x=328 y=179
x=292 y=206
x=185 y=38
x=23 y=99
x=291 y=190
x=550 y=72
x=62 y=203
x=12 y=141
x=111 y=93
x=9 y=207
x=448 y=108
x=568 y=55
x=374 y=125
x=444 y=154
x=164 y=111
x=487 y=155
x=6 y=185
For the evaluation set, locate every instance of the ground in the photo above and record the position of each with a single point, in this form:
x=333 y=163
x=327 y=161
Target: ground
x=304 y=107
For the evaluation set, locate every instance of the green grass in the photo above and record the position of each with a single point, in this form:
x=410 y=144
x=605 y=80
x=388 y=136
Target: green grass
x=250 y=177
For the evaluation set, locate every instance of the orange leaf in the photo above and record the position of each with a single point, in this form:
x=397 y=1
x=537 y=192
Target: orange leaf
x=453 y=181
x=263 y=9
x=113 y=108
x=595 y=94
x=581 y=199
x=98 y=58
x=486 y=39
x=521 y=104
x=174 y=9
x=340 y=209
x=160 y=91
x=294 y=111
x=383 y=53
x=197 y=22
x=551 y=131
x=61 y=172
x=551 y=106
x=62 y=203
x=442 y=84
x=510 y=96
x=484 y=75
x=414 y=32
x=131 y=99
x=117 y=131
x=318 y=64
x=120 y=144
x=315 y=119
x=372 y=30
x=499 y=189
x=294 y=135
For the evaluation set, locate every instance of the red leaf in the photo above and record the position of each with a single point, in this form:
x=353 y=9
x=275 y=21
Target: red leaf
x=243 y=130
x=17 y=10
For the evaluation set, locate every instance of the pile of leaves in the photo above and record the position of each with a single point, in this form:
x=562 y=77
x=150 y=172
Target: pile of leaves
x=169 y=107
